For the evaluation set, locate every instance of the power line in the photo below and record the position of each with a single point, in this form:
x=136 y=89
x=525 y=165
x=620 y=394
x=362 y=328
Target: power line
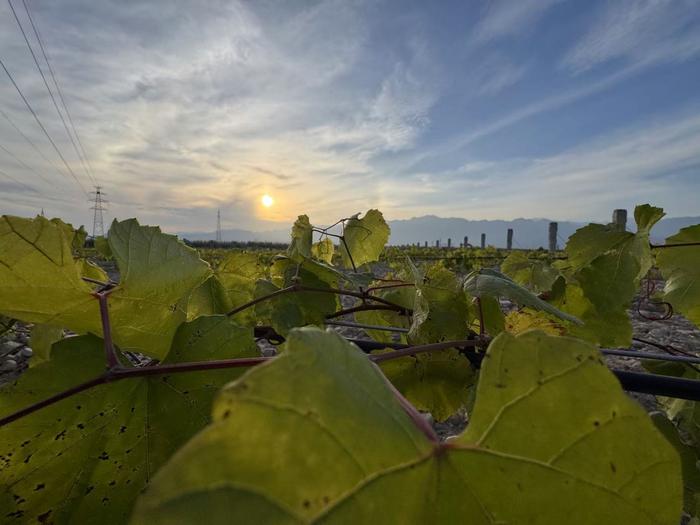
x=43 y=77
x=81 y=154
x=30 y=142
x=10 y=177
x=22 y=163
x=36 y=118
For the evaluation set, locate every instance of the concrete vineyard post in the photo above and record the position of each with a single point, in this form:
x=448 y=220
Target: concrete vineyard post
x=553 y=227
x=483 y=240
x=509 y=239
x=619 y=220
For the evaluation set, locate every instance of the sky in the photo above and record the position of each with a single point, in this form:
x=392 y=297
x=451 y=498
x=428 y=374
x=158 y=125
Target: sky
x=480 y=109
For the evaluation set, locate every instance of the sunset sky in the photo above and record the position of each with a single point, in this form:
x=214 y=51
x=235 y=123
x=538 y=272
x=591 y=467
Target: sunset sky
x=483 y=110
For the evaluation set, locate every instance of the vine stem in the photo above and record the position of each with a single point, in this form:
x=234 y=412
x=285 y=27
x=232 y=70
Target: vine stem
x=301 y=288
x=418 y=420
x=110 y=352
x=677 y=245
x=120 y=372
x=365 y=308
x=419 y=349
x=388 y=286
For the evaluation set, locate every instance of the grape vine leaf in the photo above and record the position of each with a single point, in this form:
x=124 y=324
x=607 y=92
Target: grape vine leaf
x=41 y=339
x=437 y=382
x=491 y=282
x=158 y=274
x=323 y=250
x=41 y=283
x=364 y=238
x=402 y=296
x=102 y=247
x=86 y=458
x=238 y=273
x=490 y=310
x=441 y=309
x=535 y=275
x=681 y=269
x=302 y=238
x=690 y=461
x=344 y=450
x=92 y=271
x=209 y=298
x=519 y=321
x=39 y=280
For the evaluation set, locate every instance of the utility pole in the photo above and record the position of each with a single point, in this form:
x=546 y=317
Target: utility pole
x=98 y=201
x=218 y=225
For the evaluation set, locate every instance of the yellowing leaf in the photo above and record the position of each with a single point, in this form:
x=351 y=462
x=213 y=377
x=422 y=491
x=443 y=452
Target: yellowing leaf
x=344 y=451
x=364 y=239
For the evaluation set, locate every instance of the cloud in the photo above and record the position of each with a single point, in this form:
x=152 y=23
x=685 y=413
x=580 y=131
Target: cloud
x=506 y=19
x=496 y=73
x=646 y=31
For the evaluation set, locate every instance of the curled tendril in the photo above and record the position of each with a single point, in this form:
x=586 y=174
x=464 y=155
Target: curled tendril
x=649 y=292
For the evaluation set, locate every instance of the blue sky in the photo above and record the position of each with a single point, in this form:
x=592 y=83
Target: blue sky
x=483 y=110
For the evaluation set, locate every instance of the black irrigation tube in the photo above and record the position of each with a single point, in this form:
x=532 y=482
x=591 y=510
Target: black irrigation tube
x=644 y=383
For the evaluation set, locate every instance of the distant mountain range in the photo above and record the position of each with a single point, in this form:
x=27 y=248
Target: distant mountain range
x=527 y=233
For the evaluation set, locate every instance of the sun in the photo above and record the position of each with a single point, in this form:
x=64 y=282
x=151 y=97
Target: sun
x=267 y=201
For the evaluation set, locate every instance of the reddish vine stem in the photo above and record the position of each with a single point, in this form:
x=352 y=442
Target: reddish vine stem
x=119 y=372
x=418 y=420
x=388 y=286
x=110 y=352
x=367 y=307
x=302 y=288
x=419 y=349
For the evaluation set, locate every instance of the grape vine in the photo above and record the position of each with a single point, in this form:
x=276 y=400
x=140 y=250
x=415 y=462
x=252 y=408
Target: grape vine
x=156 y=409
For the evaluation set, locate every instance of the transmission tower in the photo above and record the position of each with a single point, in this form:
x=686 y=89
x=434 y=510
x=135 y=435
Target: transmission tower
x=98 y=202
x=218 y=225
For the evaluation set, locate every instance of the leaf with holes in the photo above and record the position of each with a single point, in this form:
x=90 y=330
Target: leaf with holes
x=86 y=458
x=344 y=451
x=323 y=250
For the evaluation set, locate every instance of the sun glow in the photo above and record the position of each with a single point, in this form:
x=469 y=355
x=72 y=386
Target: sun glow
x=267 y=201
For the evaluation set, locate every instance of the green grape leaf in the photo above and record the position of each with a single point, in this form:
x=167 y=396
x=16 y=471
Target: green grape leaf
x=437 y=382
x=441 y=310
x=519 y=321
x=486 y=282
x=86 y=458
x=494 y=321
x=681 y=269
x=323 y=250
x=364 y=239
x=690 y=459
x=209 y=298
x=42 y=337
x=158 y=274
x=92 y=271
x=536 y=275
x=237 y=273
x=344 y=451
x=102 y=247
x=76 y=238
x=39 y=280
x=290 y=310
x=41 y=283
x=302 y=238
x=402 y=296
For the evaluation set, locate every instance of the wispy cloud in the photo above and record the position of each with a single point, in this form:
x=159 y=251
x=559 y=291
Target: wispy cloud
x=503 y=19
x=648 y=31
